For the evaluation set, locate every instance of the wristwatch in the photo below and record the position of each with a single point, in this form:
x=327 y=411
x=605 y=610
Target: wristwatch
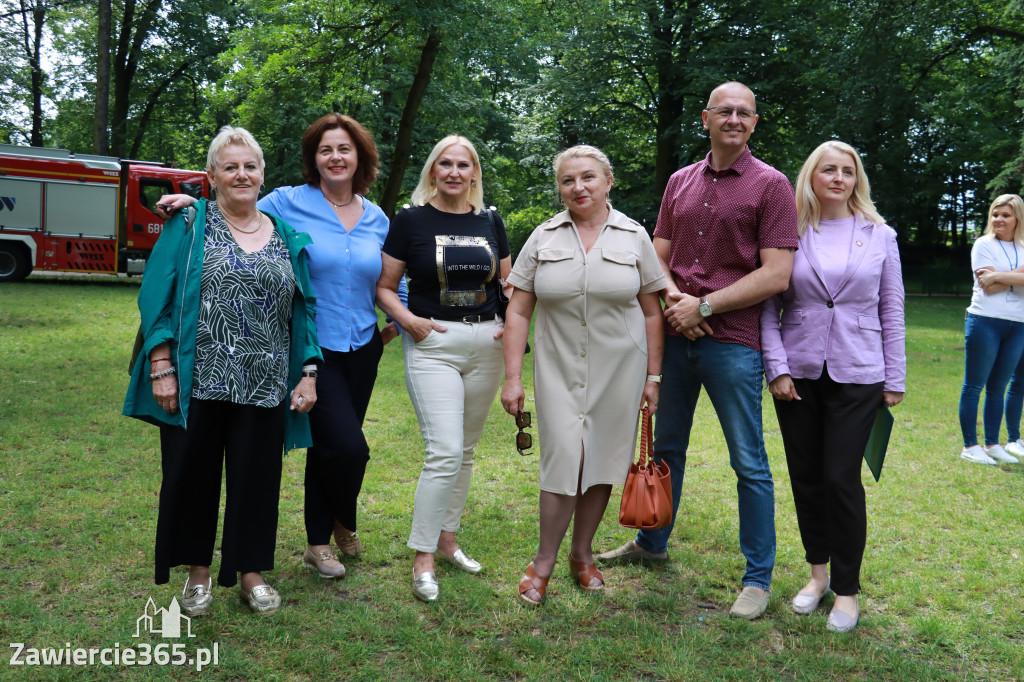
x=704 y=308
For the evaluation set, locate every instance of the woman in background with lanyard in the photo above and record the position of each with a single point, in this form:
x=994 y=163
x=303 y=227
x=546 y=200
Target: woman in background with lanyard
x=994 y=331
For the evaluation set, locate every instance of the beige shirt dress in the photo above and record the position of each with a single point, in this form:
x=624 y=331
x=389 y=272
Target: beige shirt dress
x=590 y=345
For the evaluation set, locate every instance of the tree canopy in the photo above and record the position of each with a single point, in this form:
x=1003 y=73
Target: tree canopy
x=932 y=94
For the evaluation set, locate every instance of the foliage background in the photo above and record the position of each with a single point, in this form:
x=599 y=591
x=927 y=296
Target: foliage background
x=931 y=92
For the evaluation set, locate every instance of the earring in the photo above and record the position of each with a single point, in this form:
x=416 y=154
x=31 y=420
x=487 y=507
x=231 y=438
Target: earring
x=473 y=184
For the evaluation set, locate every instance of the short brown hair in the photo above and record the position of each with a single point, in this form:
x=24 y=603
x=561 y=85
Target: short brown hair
x=366 y=150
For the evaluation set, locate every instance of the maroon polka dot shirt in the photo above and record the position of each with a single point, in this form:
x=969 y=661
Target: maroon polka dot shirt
x=718 y=221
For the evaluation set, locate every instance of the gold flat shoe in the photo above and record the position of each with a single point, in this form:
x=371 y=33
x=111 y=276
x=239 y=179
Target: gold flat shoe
x=463 y=561
x=196 y=599
x=324 y=563
x=424 y=586
x=262 y=599
x=347 y=540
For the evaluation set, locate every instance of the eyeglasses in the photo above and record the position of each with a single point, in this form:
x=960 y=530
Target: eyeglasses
x=726 y=112
x=524 y=441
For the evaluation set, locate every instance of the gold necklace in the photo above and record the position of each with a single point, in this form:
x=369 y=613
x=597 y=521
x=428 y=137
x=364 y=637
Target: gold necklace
x=252 y=231
x=335 y=204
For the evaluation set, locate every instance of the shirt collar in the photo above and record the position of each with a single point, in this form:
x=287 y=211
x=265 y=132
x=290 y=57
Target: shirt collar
x=738 y=166
x=616 y=219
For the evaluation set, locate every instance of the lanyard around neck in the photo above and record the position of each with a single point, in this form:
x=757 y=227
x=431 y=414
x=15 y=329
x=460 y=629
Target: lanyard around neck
x=1016 y=254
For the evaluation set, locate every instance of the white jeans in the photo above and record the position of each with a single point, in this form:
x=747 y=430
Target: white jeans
x=452 y=379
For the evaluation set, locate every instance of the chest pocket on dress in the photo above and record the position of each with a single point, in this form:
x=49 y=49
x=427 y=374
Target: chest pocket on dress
x=617 y=279
x=554 y=255
x=621 y=257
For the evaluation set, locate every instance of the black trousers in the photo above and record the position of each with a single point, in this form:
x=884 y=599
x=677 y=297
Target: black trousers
x=251 y=442
x=825 y=434
x=336 y=464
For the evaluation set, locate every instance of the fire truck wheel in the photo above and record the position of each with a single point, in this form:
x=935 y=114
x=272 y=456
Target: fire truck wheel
x=14 y=265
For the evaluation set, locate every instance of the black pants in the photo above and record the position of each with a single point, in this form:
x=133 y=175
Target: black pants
x=336 y=464
x=825 y=434
x=251 y=440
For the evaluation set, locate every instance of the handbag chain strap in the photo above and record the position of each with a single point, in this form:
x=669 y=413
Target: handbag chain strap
x=646 y=440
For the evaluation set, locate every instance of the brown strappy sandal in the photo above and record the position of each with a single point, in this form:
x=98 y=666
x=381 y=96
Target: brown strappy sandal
x=532 y=581
x=585 y=573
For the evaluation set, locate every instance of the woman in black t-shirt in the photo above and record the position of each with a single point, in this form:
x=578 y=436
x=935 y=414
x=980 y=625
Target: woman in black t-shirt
x=456 y=254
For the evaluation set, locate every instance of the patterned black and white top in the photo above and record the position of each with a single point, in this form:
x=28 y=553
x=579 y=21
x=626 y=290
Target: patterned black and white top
x=242 y=341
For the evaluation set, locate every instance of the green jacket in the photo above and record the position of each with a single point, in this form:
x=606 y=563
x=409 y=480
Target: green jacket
x=169 y=305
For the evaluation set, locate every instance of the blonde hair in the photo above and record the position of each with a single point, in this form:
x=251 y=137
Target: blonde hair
x=808 y=209
x=227 y=136
x=583 y=151
x=1016 y=204
x=426 y=190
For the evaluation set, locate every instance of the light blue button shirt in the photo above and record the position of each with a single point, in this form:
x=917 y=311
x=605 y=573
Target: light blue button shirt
x=344 y=266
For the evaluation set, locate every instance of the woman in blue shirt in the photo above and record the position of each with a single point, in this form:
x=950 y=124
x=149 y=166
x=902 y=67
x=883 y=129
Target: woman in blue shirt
x=339 y=163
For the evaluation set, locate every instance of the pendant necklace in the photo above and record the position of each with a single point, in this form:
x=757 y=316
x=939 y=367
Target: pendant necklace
x=336 y=204
x=252 y=231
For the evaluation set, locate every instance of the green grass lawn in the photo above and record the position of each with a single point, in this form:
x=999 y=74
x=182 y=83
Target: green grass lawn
x=943 y=577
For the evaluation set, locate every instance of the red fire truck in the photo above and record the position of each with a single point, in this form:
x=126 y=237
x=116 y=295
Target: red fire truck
x=82 y=213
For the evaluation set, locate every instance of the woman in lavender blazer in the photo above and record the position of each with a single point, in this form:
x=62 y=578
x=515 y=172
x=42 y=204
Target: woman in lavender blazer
x=833 y=349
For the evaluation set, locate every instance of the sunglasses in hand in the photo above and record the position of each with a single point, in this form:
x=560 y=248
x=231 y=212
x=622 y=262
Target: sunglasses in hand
x=524 y=441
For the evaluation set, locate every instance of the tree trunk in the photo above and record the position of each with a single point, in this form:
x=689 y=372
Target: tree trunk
x=100 y=137
x=666 y=160
x=670 y=102
x=403 y=140
x=130 y=40
x=33 y=46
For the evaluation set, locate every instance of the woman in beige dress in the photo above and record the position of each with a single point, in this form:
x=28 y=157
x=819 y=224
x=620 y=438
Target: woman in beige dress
x=598 y=338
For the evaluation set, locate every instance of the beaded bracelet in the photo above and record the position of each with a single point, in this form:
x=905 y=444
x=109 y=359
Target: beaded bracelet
x=162 y=373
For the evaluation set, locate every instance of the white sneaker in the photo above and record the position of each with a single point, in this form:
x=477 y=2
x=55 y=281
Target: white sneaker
x=976 y=454
x=1015 y=448
x=997 y=453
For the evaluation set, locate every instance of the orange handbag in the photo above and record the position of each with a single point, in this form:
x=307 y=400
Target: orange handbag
x=647 y=496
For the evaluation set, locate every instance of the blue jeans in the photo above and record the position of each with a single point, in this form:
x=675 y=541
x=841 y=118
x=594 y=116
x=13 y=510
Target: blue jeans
x=732 y=376
x=1015 y=402
x=993 y=348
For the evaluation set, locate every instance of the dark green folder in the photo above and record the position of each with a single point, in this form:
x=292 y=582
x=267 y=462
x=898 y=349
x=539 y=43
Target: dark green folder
x=878 y=441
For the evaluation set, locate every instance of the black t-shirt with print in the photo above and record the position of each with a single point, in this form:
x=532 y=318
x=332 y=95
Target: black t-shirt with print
x=450 y=260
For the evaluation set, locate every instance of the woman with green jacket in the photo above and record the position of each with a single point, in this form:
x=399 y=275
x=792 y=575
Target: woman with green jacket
x=228 y=372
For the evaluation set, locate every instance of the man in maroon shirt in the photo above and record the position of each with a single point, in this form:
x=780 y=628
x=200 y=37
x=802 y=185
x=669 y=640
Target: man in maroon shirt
x=725 y=237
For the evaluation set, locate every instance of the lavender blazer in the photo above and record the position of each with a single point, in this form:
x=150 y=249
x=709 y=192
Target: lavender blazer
x=858 y=328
